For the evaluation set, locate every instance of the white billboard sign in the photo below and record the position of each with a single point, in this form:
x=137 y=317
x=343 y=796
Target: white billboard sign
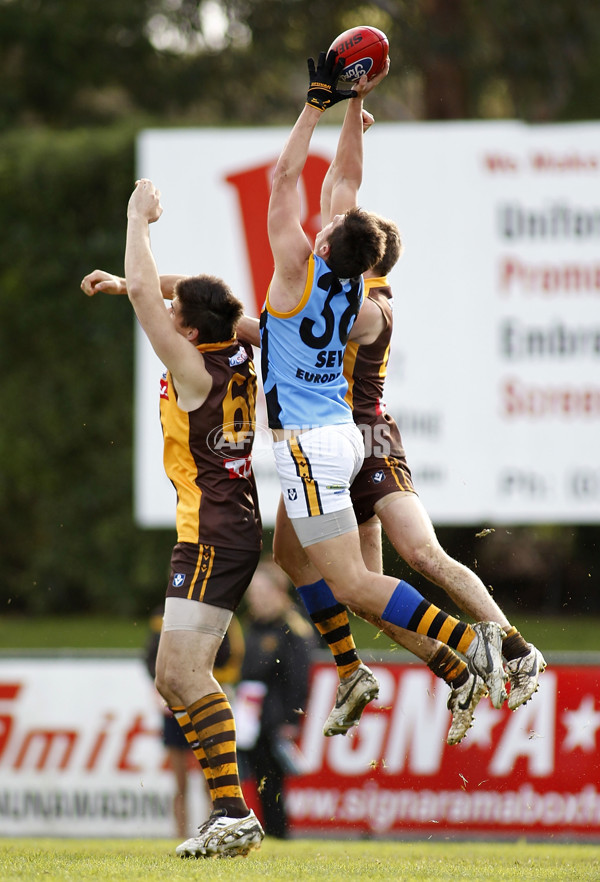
x=81 y=751
x=494 y=376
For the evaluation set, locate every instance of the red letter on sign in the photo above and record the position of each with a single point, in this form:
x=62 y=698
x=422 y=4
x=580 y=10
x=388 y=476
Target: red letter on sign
x=253 y=189
x=8 y=692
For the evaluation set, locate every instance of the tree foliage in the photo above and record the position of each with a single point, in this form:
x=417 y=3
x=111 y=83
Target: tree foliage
x=68 y=539
x=74 y=62
x=78 y=78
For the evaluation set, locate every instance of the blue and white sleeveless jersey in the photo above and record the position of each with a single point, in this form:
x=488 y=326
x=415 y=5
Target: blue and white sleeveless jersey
x=302 y=352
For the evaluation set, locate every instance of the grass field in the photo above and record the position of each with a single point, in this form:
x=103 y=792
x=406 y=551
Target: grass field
x=75 y=860
x=323 y=861
x=577 y=634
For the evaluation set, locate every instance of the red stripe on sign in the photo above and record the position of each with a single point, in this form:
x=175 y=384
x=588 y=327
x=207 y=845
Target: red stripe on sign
x=9 y=690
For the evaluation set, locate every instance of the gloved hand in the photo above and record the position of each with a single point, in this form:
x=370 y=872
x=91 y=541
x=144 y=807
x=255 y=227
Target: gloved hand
x=322 y=92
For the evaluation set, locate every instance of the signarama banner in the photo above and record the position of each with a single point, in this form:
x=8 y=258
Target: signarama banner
x=81 y=755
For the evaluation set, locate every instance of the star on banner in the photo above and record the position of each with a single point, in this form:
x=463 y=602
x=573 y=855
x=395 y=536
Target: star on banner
x=486 y=717
x=581 y=725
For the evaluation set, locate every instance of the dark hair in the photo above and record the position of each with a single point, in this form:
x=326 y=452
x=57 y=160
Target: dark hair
x=355 y=244
x=393 y=247
x=208 y=304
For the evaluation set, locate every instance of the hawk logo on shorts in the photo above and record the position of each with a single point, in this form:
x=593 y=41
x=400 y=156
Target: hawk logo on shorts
x=178 y=580
x=378 y=477
x=292 y=495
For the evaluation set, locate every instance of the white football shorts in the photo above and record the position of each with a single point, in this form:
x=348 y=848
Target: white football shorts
x=316 y=469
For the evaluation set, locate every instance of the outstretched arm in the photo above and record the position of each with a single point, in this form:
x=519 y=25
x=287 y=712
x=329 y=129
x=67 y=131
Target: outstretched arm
x=100 y=280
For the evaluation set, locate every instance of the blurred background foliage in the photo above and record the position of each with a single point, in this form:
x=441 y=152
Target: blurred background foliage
x=70 y=63
x=78 y=80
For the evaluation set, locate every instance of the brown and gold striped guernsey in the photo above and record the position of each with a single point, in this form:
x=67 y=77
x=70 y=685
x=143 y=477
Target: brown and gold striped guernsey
x=207 y=452
x=365 y=370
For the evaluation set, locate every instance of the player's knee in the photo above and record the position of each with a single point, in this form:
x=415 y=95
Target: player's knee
x=294 y=563
x=346 y=591
x=161 y=686
x=426 y=559
x=282 y=558
x=166 y=683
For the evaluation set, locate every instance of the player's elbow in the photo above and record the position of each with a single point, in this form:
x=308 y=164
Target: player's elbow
x=135 y=288
x=285 y=178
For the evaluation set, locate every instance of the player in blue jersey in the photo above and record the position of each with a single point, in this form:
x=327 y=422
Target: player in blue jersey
x=383 y=496
x=311 y=306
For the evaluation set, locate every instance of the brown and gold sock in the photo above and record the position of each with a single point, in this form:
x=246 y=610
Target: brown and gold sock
x=449 y=667
x=212 y=718
x=191 y=736
x=333 y=625
x=331 y=621
x=514 y=645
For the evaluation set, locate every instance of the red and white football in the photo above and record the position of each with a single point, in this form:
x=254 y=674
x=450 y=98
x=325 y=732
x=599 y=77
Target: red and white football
x=364 y=50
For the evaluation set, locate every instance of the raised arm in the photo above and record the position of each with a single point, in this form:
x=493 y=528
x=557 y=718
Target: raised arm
x=347 y=165
x=331 y=175
x=248 y=328
x=289 y=244
x=175 y=347
x=369 y=323
x=344 y=176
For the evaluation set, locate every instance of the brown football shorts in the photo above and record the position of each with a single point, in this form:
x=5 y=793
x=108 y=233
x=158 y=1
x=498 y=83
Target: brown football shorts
x=379 y=476
x=218 y=576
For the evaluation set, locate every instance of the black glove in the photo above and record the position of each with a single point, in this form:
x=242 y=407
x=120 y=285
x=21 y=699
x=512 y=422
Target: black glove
x=322 y=92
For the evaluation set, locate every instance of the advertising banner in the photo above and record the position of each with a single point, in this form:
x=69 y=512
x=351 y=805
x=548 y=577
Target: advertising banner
x=81 y=755
x=81 y=751
x=532 y=772
x=494 y=374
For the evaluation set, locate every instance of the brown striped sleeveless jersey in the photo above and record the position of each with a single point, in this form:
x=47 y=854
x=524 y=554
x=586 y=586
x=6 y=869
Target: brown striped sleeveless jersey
x=207 y=452
x=365 y=370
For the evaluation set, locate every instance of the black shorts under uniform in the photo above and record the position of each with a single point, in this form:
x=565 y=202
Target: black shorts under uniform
x=173 y=734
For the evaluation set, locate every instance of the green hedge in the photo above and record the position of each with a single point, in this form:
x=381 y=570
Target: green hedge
x=68 y=538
